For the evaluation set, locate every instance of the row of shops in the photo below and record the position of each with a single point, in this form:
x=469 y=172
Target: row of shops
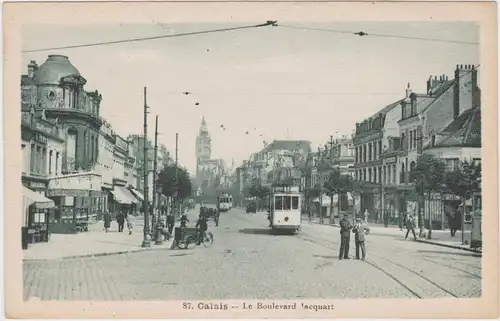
x=70 y=202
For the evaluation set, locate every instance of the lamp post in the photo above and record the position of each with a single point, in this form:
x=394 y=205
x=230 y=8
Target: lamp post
x=146 y=242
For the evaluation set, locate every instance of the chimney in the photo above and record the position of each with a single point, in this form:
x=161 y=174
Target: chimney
x=429 y=85
x=463 y=94
x=408 y=91
x=32 y=67
x=475 y=93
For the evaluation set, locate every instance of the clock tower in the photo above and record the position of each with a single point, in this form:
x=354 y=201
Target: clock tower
x=203 y=146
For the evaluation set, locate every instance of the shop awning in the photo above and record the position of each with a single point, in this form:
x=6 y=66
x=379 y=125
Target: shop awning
x=38 y=200
x=79 y=184
x=123 y=196
x=137 y=194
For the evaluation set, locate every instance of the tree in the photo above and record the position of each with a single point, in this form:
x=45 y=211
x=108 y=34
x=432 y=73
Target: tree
x=339 y=184
x=166 y=180
x=356 y=189
x=463 y=181
x=428 y=176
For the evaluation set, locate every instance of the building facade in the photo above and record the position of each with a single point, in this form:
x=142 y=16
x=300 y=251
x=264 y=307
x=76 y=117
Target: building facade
x=55 y=90
x=371 y=137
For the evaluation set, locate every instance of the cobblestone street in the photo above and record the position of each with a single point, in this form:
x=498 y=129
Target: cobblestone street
x=246 y=261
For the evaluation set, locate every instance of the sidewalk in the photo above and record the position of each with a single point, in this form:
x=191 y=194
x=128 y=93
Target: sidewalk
x=95 y=242
x=439 y=237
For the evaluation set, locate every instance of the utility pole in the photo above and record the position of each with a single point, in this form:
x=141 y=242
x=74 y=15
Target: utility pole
x=146 y=242
x=177 y=208
x=154 y=174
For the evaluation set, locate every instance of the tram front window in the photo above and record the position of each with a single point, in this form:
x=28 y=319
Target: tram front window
x=287 y=202
x=295 y=202
x=278 y=203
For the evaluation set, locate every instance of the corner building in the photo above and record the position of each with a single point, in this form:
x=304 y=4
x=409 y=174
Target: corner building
x=57 y=90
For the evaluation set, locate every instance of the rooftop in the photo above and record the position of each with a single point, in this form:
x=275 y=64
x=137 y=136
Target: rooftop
x=464 y=131
x=53 y=69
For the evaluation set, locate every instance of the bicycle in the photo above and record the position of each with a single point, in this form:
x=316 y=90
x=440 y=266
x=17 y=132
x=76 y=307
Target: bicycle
x=207 y=241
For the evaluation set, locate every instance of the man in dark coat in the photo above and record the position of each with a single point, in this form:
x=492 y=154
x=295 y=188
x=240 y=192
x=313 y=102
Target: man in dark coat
x=410 y=226
x=202 y=227
x=360 y=230
x=345 y=236
x=170 y=223
x=120 y=219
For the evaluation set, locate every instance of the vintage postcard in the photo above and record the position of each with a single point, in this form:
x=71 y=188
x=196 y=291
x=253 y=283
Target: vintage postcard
x=229 y=160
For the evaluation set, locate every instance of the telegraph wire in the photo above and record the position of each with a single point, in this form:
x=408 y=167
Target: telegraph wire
x=364 y=34
x=113 y=42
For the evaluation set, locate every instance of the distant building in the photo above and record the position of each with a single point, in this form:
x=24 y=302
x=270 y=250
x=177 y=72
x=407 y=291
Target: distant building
x=209 y=172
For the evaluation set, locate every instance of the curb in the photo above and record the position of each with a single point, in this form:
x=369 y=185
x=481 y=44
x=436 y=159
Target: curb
x=152 y=248
x=450 y=246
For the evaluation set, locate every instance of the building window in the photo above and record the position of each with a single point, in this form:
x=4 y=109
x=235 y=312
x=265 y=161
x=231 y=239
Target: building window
x=452 y=163
x=38 y=160
x=50 y=163
x=380 y=147
x=369 y=151
x=32 y=159
x=411 y=139
x=57 y=163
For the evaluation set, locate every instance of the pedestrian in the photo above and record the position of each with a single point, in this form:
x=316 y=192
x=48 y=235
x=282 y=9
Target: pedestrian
x=120 y=219
x=345 y=236
x=401 y=220
x=456 y=222
x=107 y=221
x=360 y=231
x=366 y=214
x=130 y=222
x=202 y=227
x=170 y=222
x=184 y=220
x=410 y=226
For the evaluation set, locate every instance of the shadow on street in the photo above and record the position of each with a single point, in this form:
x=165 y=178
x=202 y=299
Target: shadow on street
x=256 y=231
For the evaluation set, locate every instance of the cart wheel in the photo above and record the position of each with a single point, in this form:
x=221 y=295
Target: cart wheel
x=208 y=239
x=182 y=245
x=190 y=242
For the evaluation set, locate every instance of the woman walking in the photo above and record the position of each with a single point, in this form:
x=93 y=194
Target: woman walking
x=107 y=221
x=130 y=222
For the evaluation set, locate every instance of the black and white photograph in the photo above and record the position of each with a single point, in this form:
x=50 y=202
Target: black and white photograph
x=264 y=161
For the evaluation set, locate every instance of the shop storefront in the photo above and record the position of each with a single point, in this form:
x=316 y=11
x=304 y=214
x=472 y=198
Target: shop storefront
x=36 y=212
x=76 y=198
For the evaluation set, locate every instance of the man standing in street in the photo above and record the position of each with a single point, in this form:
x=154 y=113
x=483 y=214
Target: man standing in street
x=360 y=231
x=410 y=226
x=345 y=236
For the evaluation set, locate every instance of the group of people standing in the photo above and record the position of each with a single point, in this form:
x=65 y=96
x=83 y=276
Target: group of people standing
x=360 y=230
x=121 y=217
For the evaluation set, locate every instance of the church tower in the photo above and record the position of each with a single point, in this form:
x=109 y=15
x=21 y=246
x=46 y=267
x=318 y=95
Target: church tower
x=203 y=146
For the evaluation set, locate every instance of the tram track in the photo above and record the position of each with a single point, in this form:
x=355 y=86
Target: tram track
x=399 y=273
x=452 y=268
x=414 y=292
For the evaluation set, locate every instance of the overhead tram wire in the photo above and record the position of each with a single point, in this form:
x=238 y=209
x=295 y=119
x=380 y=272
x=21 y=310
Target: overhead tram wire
x=365 y=34
x=113 y=42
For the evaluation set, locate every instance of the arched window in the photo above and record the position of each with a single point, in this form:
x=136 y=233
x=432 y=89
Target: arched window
x=71 y=149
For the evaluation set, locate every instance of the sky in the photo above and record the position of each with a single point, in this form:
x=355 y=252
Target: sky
x=274 y=82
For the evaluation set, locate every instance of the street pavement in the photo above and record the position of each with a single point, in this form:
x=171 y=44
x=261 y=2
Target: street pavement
x=247 y=262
